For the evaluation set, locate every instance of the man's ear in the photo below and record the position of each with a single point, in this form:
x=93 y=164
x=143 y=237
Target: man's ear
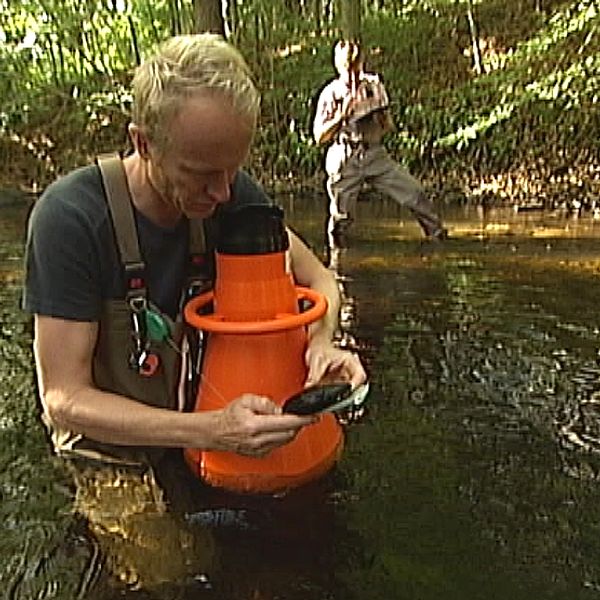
x=139 y=141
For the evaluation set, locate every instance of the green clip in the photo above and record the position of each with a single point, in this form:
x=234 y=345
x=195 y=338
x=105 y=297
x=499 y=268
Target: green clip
x=156 y=327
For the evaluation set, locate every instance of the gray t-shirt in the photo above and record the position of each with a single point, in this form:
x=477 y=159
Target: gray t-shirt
x=72 y=264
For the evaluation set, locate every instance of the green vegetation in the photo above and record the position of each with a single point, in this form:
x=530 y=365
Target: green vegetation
x=492 y=102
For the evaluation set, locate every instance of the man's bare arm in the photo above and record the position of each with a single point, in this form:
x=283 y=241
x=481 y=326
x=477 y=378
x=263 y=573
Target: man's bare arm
x=64 y=352
x=322 y=357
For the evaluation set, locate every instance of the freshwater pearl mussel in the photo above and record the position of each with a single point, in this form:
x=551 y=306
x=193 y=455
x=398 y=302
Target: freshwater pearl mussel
x=331 y=397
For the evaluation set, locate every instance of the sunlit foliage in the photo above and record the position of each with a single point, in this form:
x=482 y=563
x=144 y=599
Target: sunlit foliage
x=492 y=99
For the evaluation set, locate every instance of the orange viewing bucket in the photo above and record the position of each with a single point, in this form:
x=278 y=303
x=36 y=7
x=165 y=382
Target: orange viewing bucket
x=256 y=344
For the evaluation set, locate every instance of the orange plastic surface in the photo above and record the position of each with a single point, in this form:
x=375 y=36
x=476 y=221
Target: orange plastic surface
x=253 y=356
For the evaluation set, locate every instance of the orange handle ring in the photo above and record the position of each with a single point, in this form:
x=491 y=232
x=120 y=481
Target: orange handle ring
x=216 y=323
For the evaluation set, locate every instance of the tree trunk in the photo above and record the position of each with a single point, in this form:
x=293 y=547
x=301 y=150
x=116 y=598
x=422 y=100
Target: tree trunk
x=134 y=41
x=318 y=13
x=209 y=17
x=350 y=19
x=232 y=16
x=474 y=39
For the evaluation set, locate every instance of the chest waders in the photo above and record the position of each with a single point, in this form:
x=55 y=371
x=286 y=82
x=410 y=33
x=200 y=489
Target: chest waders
x=141 y=353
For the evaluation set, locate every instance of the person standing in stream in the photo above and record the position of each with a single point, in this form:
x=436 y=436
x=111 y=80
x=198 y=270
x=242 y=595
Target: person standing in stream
x=353 y=116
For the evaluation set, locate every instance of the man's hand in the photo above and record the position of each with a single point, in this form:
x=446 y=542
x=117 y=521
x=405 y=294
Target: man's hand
x=253 y=425
x=325 y=362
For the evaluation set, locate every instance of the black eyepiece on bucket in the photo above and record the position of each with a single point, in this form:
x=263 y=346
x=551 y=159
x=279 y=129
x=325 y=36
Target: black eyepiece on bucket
x=252 y=229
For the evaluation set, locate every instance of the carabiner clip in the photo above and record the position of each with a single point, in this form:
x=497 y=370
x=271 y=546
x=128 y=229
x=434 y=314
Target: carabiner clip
x=141 y=360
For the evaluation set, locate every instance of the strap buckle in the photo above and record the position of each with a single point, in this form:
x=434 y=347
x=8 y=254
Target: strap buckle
x=135 y=277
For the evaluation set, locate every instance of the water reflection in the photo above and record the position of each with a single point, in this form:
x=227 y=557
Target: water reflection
x=480 y=359
x=472 y=474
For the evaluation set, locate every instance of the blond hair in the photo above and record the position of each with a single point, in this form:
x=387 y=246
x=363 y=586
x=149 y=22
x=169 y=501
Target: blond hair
x=185 y=65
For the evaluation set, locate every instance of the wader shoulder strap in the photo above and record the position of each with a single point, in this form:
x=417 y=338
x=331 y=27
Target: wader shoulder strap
x=200 y=273
x=197 y=237
x=121 y=210
x=119 y=202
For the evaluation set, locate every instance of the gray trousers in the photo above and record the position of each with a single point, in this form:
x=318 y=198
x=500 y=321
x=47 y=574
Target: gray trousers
x=347 y=170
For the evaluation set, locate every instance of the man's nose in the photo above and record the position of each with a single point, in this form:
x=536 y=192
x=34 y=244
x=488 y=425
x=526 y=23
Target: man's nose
x=219 y=187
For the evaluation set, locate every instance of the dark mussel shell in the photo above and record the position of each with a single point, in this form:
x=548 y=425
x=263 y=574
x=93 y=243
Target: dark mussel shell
x=317 y=398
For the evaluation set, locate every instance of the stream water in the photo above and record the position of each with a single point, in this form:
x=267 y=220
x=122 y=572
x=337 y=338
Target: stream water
x=473 y=472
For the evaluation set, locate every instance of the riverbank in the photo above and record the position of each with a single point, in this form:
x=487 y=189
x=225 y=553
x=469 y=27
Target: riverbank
x=519 y=125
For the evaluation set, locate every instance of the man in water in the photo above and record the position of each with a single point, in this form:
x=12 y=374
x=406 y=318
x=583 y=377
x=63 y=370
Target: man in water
x=195 y=111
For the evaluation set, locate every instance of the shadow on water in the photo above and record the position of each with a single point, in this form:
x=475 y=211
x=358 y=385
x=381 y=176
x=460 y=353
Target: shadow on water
x=472 y=474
